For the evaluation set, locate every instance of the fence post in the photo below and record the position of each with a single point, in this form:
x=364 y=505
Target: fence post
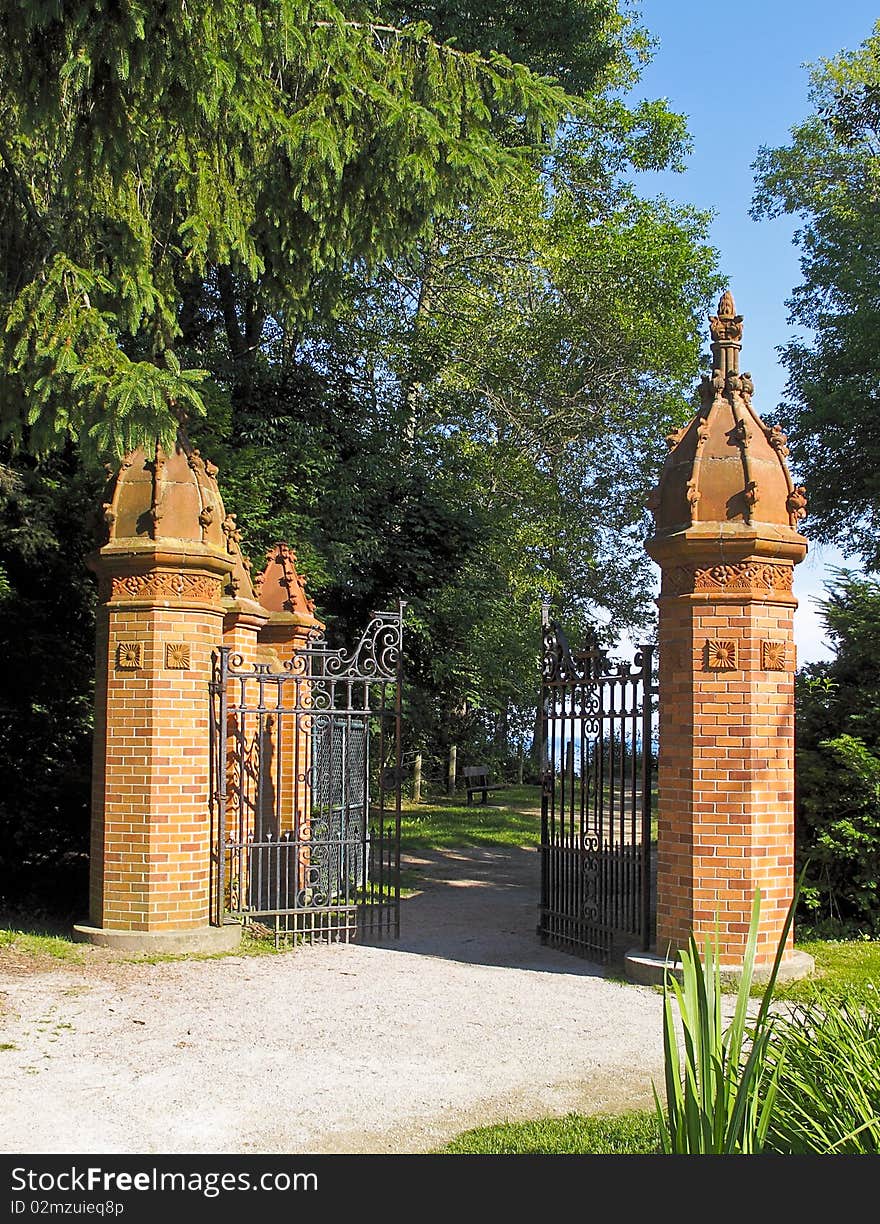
x=453 y=767
x=417 y=778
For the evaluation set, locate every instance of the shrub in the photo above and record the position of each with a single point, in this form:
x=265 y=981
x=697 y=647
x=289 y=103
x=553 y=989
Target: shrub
x=839 y=829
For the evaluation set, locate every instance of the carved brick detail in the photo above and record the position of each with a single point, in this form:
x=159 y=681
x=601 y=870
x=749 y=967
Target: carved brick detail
x=167 y=585
x=773 y=656
x=748 y=577
x=177 y=656
x=721 y=655
x=129 y=656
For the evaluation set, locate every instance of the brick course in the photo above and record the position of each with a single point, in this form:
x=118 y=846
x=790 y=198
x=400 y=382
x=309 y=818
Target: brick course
x=726 y=779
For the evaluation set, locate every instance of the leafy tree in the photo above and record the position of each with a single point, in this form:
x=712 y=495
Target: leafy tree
x=434 y=342
x=828 y=176
x=576 y=42
x=838 y=762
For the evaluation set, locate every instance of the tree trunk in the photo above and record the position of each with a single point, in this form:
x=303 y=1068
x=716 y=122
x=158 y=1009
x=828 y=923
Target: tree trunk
x=417 y=779
x=453 y=767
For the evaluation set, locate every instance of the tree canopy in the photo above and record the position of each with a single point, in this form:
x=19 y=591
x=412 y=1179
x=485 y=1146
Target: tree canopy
x=145 y=146
x=829 y=177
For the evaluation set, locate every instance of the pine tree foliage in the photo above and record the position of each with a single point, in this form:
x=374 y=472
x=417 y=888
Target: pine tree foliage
x=143 y=145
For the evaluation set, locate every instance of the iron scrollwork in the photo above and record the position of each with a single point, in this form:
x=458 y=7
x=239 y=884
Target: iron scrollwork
x=562 y=665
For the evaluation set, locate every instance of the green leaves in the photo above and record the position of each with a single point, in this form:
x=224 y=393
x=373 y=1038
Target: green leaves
x=829 y=176
x=838 y=762
x=826 y=1056
x=147 y=145
x=720 y=1098
x=63 y=347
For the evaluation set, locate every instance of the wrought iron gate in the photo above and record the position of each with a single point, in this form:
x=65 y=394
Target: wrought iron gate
x=306 y=788
x=596 y=876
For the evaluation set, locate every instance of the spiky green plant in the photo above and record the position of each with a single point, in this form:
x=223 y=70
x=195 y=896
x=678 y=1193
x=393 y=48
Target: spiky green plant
x=720 y=1099
x=828 y=1083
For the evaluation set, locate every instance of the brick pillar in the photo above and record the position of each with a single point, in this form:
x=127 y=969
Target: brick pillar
x=726 y=539
x=726 y=769
x=159 y=621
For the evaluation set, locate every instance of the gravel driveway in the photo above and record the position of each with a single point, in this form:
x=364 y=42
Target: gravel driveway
x=344 y=1048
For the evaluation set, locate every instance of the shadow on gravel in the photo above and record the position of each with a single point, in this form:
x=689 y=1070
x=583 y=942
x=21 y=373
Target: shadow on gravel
x=480 y=906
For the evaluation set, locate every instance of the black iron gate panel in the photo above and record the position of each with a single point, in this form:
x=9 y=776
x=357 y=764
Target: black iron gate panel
x=596 y=876
x=306 y=788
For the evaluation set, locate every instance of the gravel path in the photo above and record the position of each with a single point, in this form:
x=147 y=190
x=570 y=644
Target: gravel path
x=344 y=1048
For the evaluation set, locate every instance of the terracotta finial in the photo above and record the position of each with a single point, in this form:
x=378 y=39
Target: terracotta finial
x=797 y=504
x=726 y=326
x=280 y=586
x=164 y=494
x=726 y=466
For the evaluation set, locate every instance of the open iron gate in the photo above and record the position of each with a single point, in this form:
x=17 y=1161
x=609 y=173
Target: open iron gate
x=596 y=871
x=306 y=788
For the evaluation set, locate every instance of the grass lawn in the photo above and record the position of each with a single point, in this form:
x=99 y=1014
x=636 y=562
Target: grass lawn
x=629 y=1134
x=44 y=942
x=512 y=818
x=841 y=965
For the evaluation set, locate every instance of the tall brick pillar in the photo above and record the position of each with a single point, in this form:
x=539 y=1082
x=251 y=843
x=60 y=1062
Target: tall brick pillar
x=166 y=577
x=726 y=539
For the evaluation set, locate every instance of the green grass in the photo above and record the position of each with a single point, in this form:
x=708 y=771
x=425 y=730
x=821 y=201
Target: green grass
x=626 y=1134
x=512 y=818
x=251 y=945
x=65 y=948
x=841 y=966
x=34 y=943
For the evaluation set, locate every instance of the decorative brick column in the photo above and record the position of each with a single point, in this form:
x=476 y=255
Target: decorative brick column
x=164 y=578
x=726 y=541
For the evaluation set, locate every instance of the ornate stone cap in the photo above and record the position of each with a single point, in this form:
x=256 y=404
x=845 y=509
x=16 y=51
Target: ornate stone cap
x=281 y=588
x=167 y=499
x=726 y=466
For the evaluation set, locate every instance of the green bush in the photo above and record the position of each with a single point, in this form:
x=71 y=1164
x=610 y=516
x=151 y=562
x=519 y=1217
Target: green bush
x=837 y=776
x=839 y=829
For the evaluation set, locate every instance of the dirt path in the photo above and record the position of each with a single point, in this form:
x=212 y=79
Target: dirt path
x=358 y=1048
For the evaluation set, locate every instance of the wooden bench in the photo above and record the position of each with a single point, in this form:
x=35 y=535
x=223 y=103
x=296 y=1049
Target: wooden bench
x=476 y=780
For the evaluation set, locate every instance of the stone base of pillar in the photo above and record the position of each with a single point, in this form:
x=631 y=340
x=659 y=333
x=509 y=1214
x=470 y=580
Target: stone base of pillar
x=206 y=939
x=649 y=969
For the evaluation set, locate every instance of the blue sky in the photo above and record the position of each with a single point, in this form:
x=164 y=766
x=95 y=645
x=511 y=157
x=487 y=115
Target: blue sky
x=737 y=72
